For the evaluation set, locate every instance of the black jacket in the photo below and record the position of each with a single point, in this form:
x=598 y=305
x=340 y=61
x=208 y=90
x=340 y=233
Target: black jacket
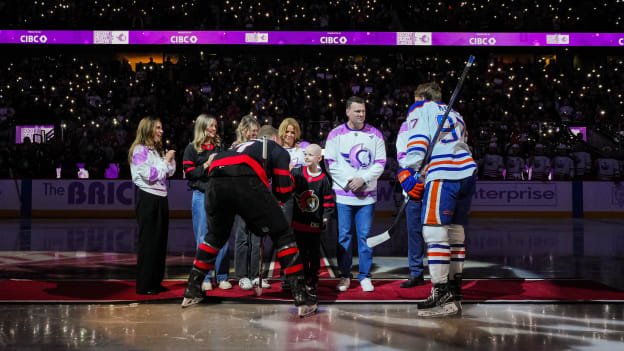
x=246 y=160
x=193 y=165
x=314 y=200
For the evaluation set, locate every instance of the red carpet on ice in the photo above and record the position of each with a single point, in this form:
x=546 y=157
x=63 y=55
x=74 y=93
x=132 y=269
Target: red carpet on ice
x=385 y=291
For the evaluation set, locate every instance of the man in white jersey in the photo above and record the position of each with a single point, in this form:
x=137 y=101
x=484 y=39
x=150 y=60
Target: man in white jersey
x=415 y=242
x=492 y=164
x=607 y=167
x=449 y=187
x=515 y=166
x=539 y=165
x=563 y=165
x=355 y=154
x=582 y=162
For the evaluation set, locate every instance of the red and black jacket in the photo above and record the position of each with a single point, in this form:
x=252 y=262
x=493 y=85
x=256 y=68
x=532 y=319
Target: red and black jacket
x=246 y=160
x=193 y=164
x=314 y=200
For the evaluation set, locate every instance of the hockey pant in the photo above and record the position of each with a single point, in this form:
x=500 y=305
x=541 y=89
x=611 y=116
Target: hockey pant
x=249 y=198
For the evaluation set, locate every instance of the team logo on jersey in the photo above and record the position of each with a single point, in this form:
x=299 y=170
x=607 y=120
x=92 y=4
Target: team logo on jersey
x=308 y=201
x=618 y=195
x=359 y=157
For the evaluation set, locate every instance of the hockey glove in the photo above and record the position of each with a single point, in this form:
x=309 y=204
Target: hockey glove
x=410 y=184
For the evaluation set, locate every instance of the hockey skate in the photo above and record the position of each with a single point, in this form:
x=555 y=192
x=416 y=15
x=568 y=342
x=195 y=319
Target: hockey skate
x=306 y=303
x=441 y=303
x=455 y=286
x=312 y=288
x=193 y=293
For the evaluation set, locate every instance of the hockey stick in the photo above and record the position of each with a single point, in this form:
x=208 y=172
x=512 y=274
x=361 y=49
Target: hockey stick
x=383 y=237
x=325 y=259
x=380 y=238
x=345 y=188
x=258 y=289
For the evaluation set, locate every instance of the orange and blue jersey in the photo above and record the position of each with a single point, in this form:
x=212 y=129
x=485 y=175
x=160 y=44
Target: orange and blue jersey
x=401 y=144
x=451 y=158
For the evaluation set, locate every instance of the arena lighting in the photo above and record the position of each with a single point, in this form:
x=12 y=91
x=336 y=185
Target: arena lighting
x=47 y=37
x=580 y=130
x=35 y=133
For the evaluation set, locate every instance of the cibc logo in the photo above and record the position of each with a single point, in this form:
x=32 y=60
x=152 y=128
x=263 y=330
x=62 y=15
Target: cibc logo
x=183 y=39
x=334 y=40
x=482 y=41
x=30 y=38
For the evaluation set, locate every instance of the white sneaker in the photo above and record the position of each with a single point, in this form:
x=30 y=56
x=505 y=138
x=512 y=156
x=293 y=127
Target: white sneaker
x=367 y=285
x=265 y=283
x=245 y=284
x=344 y=284
x=207 y=285
x=225 y=285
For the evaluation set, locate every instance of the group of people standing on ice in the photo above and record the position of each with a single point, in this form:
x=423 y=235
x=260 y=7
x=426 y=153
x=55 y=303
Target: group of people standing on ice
x=269 y=183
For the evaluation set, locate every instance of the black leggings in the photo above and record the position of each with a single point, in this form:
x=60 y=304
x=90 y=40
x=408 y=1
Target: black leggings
x=309 y=245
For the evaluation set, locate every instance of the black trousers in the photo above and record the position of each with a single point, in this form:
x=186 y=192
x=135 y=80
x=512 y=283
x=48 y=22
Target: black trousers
x=310 y=250
x=152 y=213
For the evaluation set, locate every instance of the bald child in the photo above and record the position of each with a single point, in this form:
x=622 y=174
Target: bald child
x=314 y=205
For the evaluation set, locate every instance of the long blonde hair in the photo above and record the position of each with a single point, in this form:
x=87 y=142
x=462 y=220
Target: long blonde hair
x=247 y=122
x=145 y=136
x=282 y=130
x=202 y=123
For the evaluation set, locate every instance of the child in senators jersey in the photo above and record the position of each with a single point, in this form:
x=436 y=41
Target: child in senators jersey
x=314 y=205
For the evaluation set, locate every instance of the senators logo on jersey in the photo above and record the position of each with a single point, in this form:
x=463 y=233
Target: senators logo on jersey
x=308 y=201
x=359 y=157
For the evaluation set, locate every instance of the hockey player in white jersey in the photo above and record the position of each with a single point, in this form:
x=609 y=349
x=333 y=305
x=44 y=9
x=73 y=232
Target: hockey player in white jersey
x=492 y=164
x=582 y=162
x=515 y=166
x=413 y=210
x=607 y=167
x=539 y=165
x=449 y=188
x=563 y=165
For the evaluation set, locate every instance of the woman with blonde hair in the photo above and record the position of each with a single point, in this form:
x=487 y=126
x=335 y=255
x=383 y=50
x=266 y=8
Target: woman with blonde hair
x=290 y=139
x=289 y=133
x=247 y=245
x=197 y=158
x=247 y=129
x=150 y=166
